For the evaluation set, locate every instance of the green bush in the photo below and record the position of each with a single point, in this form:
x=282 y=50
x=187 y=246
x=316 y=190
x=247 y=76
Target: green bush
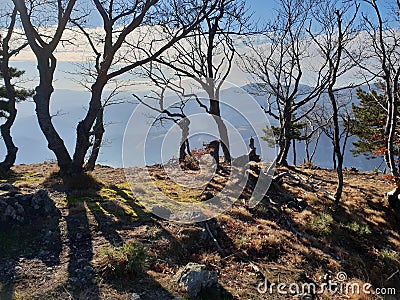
x=389 y=255
x=128 y=259
x=359 y=229
x=321 y=224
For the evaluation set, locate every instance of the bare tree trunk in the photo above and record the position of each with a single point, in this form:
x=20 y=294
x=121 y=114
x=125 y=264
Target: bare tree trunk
x=339 y=188
x=315 y=147
x=294 y=152
x=222 y=130
x=334 y=157
x=310 y=157
x=393 y=127
x=187 y=146
x=390 y=130
x=46 y=65
x=42 y=100
x=184 y=145
x=283 y=153
x=84 y=127
x=336 y=147
x=214 y=146
x=223 y=133
x=285 y=139
x=5 y=128
x=98 y=131
x=386 y=47
x=307 y=150
x=391 y=85
x=182 y=152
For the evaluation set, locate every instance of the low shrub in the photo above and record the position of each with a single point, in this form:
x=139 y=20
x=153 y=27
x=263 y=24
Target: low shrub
x=127 y=259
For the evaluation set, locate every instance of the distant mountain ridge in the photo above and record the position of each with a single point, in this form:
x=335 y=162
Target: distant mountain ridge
x=70 y=106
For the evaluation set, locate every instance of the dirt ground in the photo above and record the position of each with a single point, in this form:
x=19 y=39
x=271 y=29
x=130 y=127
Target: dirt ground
x=295 y=235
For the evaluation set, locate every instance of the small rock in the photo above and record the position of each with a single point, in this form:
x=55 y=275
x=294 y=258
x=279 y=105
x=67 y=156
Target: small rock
x=8 y=187
x=204 y=235
x=73 y=279
x=19 y=208
x=41 y=200
x=79 y=273
x=10 y=211
x=194 y=278
x=88 y=269
x=43 y=253
x=135 y=296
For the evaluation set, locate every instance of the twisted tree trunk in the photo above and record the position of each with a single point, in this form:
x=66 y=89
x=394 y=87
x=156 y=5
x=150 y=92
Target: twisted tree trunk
x=336 y=146
x=46 y=66
x=5 y=128
x=83 y=130
x=184 y=148
x=222 y=130
x=284 y=138
x=98 y=132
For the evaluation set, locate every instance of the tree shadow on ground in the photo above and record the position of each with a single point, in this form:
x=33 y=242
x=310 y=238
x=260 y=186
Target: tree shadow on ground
x=36 y=238
x=113 y=210
x=81 y=273
x=10 y=176
x=167 y=250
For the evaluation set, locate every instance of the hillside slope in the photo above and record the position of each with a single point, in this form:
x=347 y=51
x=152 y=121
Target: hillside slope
x=295 y=235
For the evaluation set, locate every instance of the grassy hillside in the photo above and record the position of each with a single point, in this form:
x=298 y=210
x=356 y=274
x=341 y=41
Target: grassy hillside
x=295 y=235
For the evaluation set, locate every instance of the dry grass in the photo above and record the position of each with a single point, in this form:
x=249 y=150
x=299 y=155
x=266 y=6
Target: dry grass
x=360 y=237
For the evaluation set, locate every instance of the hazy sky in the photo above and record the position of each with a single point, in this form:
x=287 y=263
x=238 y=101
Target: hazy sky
x=73 y=102
x=262 y=11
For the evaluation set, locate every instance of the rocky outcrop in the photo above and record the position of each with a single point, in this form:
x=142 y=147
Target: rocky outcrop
x=17 y=208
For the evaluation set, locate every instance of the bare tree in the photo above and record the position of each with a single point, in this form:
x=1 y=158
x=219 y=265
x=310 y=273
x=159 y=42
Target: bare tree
x=111 y=57
x=312 y=133
x=277 y=67
x=173 y=87
x=207 y=56
x=43 y=46
x=120 y=20
x=10 y=93
x=333 y=40
x=97 y=133
x=5 y=74
x=321 y=119
x=174 y=113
